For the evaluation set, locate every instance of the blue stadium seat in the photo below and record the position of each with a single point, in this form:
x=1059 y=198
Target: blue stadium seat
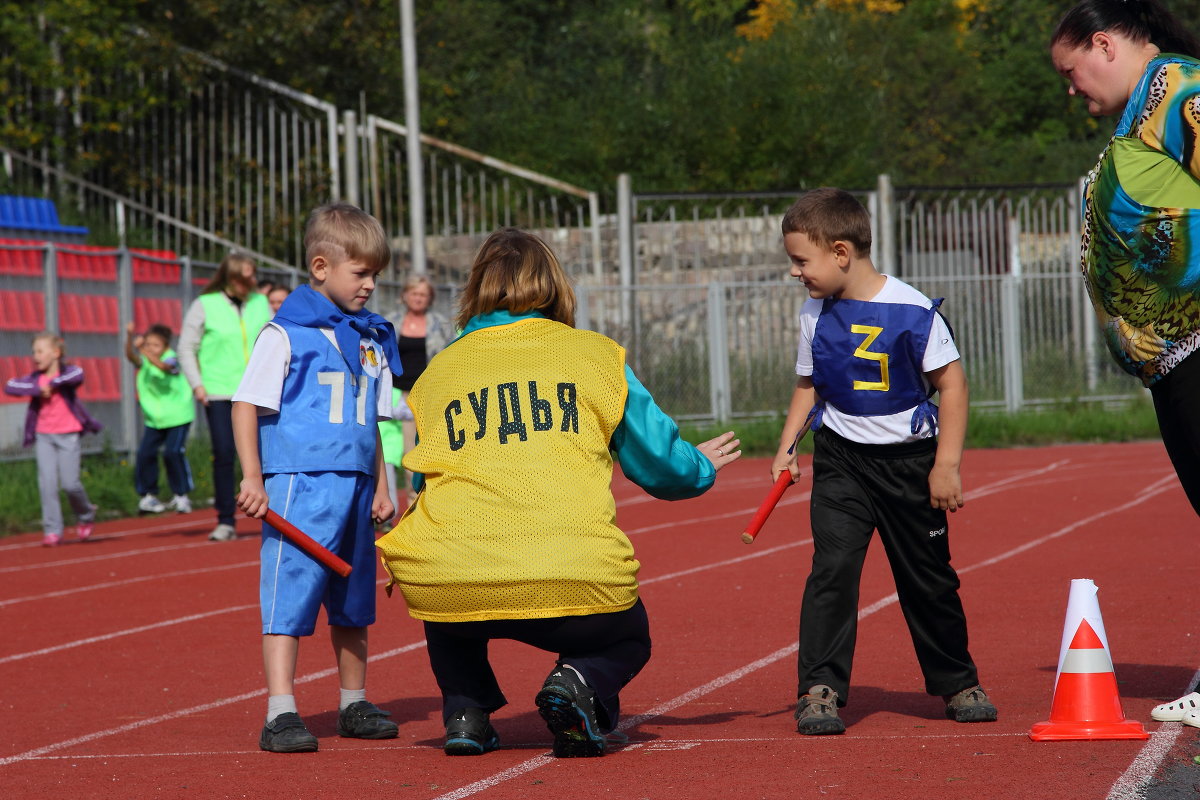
x=33 y=214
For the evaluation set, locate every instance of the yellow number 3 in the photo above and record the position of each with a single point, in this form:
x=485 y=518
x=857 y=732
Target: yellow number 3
x=872 y=333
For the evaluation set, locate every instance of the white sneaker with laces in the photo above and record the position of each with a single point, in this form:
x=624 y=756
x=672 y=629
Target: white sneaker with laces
x=151 y=505
x=222 y=533
x=180 y=504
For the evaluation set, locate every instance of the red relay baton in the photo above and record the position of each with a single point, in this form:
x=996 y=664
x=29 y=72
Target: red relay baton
x=307 y=543
x=768 y=505
x=781 y=484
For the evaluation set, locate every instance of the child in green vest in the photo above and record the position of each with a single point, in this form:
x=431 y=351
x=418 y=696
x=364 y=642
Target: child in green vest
x=168 y=409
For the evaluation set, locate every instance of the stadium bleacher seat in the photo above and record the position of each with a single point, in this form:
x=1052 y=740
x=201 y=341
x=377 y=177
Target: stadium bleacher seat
x=88 y=313
x=34 y=214
x=101 y=379
x=14 y=367
x=147 y=270
x=87 y=263
x=148 y=311
x=16 y=260
x=22 y=311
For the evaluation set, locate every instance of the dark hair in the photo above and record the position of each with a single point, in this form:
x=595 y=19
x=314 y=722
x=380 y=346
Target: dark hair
x=518 y=272
x=1140 y=20
x=161 y=331
x=829 y=215
x=221 y=279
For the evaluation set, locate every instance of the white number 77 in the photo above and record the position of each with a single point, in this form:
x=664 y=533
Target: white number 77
x=336 y=381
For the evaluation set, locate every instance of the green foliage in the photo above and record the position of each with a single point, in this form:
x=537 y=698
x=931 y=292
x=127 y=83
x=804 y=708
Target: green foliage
x=668 y=90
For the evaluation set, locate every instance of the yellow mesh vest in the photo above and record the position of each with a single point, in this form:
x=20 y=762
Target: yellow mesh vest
x=517 y=519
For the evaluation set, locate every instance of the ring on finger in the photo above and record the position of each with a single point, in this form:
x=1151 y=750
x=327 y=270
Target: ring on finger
x=720 y=452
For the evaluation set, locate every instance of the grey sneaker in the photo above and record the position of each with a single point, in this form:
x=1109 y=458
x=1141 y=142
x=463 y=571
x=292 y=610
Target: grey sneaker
x=365 y=720
x=287 y=734
x=568 y=705
x=970 y=705
x=470 y=733
x=149 y=504
x=180 y=504
x=817 y=714
x=222 y=533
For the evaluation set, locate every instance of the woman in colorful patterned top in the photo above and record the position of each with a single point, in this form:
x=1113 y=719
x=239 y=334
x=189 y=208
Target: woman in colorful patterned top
x=1141 y=242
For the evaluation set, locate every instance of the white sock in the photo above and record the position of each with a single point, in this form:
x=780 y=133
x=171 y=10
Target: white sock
x=280 y=704
x=350 y=697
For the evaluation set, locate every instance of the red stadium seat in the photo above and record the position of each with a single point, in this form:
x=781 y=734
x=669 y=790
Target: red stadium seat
x=101 y=379
x=148 y=271
x=148 y=311
x=14 y=367
x=22 y=311
x=15 y=261
x=88 y=313
x=87 y=263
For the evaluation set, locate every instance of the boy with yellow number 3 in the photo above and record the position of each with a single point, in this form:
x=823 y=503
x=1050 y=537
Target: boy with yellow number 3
x=872 y=352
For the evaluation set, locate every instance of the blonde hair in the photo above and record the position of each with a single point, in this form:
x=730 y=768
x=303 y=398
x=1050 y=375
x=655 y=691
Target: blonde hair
x=343 y=232
x=221 y=279
x=518 y=272
x=829 y=215
x=414 y=281
x=55 y=341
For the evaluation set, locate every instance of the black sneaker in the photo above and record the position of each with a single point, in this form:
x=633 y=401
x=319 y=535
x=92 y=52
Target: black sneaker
x=287 y=734
x=970 y=705
x=470 y=733
x=364 y=720
x=569 y=707
x=817 y=715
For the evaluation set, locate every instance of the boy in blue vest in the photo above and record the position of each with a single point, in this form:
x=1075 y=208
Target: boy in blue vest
x=872 y=352
x=305 y=422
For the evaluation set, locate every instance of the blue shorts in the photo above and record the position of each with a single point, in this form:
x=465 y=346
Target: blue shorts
x=334 y=508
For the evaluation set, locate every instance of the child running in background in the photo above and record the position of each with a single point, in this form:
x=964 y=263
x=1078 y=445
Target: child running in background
x=514 y=535
x=304 y=420
x=168 y=409
x=872 y=351
x=54 y=422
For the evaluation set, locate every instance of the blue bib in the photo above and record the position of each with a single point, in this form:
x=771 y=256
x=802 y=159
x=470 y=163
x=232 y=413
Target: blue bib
x=867 y=359
x=327 y=414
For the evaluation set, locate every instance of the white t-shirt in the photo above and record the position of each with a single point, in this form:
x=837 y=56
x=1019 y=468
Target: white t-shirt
x=262 y=383
x=889 y=428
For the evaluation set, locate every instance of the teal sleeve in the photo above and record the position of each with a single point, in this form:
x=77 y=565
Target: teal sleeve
x=652 y=455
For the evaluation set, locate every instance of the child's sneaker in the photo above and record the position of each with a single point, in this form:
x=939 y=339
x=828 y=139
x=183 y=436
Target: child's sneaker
x=222 y=533
x=149 y=504
x=84 y=530
x=470 y=733
x=287 y=734
x=180 y=504
x=817 y=713
x=365 y=720
x=51 y=539
x=568 y=705
x=970 y=705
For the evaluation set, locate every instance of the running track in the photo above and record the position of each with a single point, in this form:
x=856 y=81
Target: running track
x=130 y=664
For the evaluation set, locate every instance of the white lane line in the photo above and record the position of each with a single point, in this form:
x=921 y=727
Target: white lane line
x=644 y=744
x=539 y=760
x=127 y=632
x=783 y=652
x=92 y=556
x=183 y=712
x=125 y=582
x=1138 y=776
x=183 y=525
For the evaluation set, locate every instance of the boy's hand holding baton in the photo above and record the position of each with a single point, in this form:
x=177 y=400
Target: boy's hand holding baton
x=780 y=486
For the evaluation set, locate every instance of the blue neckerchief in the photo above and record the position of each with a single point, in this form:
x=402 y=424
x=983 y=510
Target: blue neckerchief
x=308 y=307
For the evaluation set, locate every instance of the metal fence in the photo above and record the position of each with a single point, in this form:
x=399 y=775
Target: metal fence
x=223 y=156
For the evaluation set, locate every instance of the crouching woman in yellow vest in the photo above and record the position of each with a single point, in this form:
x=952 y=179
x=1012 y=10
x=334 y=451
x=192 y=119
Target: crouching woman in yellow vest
x=513 y=535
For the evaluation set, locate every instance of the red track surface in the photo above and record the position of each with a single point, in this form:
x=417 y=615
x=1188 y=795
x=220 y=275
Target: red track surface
x=131 y=664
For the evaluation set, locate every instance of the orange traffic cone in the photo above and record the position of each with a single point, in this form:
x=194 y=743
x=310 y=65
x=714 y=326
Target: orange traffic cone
x=1086 y=702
